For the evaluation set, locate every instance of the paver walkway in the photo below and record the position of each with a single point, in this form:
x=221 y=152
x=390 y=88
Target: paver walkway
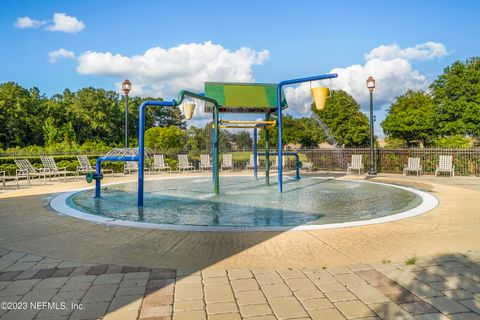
x=445 y=287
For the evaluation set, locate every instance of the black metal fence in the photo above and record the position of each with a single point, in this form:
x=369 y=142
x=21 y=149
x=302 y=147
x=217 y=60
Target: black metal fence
x=466 y=161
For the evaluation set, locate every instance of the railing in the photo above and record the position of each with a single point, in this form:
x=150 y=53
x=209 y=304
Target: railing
x=466 y=161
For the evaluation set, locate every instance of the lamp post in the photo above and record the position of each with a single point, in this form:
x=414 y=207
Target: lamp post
x=126 y=87
x=371 y=86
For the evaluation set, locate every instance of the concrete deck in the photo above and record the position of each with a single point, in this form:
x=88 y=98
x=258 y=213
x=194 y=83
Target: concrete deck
x=29 y=226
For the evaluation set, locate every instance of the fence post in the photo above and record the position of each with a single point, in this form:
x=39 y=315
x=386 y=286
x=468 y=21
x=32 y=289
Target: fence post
x=378 y=160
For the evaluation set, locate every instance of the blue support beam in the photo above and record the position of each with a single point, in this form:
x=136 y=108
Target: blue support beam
x=255 y=156
x=213 y=153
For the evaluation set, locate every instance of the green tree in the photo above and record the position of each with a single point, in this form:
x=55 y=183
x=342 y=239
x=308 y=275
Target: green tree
x=456 y=95
x=303 y=131
x=21 y=115
x=154 y=116
x=309 y=134
x=345 y=120
x=456 y=141
x=410 y=118
x=167 y=140
x=242 y=139
x=98 y=114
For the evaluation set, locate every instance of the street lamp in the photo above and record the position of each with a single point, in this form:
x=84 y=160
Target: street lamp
x=371 y=86
x=126 y=87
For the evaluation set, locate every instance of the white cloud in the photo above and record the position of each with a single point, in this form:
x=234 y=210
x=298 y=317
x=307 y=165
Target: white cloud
x=161 y=72
x=423 y=51
x=65 y=23
x=27 y=22
x=61 y=54
x=389 y=65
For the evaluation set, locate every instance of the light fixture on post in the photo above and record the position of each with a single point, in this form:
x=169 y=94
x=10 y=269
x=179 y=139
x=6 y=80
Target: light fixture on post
x=188 y=108
x=126 y=87
x=371 y=86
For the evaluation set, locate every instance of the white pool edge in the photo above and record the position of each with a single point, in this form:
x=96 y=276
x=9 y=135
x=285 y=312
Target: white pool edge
x=59 y=204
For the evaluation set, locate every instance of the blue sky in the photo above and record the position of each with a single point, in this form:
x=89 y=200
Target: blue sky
x=415 y=40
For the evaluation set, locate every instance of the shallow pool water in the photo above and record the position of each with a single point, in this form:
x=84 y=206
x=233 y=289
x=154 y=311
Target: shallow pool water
x=247 y=202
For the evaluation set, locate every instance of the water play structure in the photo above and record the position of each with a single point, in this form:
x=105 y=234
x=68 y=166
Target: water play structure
x=183 y=203
x=223 y=98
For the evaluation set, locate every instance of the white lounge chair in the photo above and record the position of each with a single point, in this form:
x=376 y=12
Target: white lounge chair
x=130 y=166
x=227 y=162
x=356 y=164
x=445 y=164
x=205 y=162
x=251 y=163
x=307 y=166
x=86 y=167
x=27 y=171
x=52 y=169
x=275 y=165
x=183 y=163
x=413 y=166
x=159 y=163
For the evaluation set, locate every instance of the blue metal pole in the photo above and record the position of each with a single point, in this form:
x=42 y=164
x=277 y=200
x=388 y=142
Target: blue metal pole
x=98 y=183
x=279 y=115
x=141 y=142
x=216 y=180
x=255 y=153
x=279 y=134
x=214 y=167
x=267 y=152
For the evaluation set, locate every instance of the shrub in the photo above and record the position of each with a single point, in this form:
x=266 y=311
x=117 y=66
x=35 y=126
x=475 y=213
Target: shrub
x=457 y=141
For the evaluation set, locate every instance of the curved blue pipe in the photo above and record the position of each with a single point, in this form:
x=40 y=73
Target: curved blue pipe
x=141 y=142
x=98 y=170
x=279 y=115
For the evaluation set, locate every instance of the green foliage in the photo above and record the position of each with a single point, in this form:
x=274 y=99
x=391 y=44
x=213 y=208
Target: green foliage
x=456 y=95
x=166 y=140
x=89 y=114
x=345 y=120
x=456 y=141
x=242 y=139
x=200 y=140
x=303 y=131
x=410 y=118
x=394 y=143
x=9 y=168
x=411 y=261
x=21 y=115
x=172 y=163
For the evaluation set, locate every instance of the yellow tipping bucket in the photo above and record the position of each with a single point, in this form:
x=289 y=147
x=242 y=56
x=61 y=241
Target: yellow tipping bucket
x=320 y=96
x=188 y=109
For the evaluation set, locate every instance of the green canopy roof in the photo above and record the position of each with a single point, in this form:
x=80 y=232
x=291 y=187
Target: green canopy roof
x=244 y=97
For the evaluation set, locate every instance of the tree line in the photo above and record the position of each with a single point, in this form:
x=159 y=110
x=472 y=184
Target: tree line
x=447 y=115
x=89 y=115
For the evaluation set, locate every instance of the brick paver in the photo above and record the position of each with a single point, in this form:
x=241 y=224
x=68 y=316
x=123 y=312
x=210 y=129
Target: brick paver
x=447 y=288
